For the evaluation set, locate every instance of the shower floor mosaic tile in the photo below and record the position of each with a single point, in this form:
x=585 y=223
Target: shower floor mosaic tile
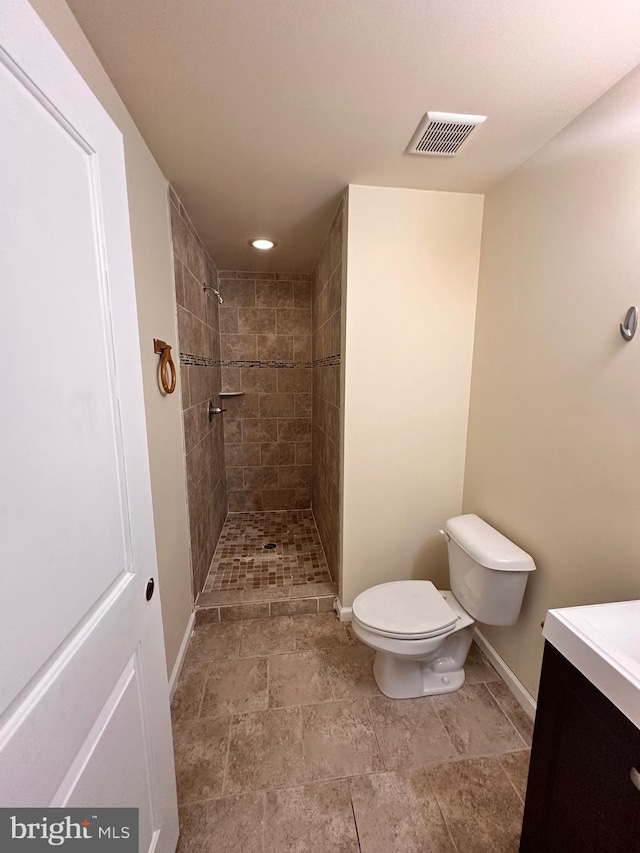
x=242 y=562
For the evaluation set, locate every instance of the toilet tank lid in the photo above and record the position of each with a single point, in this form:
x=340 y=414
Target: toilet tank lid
x=488 y=546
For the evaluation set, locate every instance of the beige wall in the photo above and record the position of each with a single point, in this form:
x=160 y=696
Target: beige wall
x=553 y=455
x=412 y=272
x=152 y=258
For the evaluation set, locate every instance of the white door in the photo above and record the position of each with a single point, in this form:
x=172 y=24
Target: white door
x=84 y=709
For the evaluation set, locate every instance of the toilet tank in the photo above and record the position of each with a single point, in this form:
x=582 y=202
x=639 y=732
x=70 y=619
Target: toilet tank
x=488 y=573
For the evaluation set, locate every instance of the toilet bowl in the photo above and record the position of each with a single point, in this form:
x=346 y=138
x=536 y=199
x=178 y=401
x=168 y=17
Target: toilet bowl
x=428 y=660
x=422 y=635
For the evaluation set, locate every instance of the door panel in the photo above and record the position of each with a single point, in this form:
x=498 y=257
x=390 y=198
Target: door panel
x=121 y=723
x=84 y=706
x=63 y=515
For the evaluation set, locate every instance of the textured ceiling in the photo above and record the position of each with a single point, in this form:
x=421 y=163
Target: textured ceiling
x=261 y=111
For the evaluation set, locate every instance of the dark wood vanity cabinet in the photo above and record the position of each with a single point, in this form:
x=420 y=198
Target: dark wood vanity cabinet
x=581 y=797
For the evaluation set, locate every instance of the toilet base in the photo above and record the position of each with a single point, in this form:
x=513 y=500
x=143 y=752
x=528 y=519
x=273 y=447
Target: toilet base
x=407 y=678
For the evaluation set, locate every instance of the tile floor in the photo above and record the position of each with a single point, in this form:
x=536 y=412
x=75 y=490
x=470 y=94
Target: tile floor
x=241 y=561
x=284 y=744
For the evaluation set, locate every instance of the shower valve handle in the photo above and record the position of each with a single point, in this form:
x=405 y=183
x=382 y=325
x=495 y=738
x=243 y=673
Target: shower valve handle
x=214 y=410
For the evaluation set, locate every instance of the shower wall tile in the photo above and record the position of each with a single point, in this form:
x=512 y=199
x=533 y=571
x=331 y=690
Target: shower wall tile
x=301 y=294
x=237 y=293
x=275 y=347
x=277 y=405
x=228 y=320
x=199 y=335
x=278 y=453
x=275 y=294
x=257 y=321
x=297 y=380
x=238 y=347
x=293 y=321
x=265 y=346
x=326 y=287
x=259 y=380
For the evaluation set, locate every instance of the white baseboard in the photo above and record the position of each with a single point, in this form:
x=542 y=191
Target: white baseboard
x=177 y=667
x=514 y=684
x=344 y=613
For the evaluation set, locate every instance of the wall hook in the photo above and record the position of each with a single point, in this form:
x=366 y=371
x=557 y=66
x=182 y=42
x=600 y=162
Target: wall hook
x=166 y=368
x=628 y=328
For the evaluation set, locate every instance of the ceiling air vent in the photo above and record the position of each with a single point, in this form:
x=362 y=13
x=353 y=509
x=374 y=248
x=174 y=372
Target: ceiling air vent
x=443 y=134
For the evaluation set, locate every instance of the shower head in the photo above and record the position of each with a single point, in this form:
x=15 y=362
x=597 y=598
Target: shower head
x=216 y=293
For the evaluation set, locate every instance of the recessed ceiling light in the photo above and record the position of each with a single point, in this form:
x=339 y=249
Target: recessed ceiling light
x=262 y=244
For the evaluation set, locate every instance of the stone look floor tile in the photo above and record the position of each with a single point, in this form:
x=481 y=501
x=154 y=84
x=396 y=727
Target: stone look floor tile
x=315 y=589
x=398 y=813
x=200 y=748
x=516 y=765
x=238 y=612
x=512 y=708
x=338 y=740
x=185 y=704
x=294 y=607
x=410 y=732
x=208 y=598
x=243 y=596
x=214 y=641
x=480 y=806
x=319 y=631
x=477 y=668
x=302 y=678
x=475 y=722
x=207 y=614
x=313 y=818
x=228 y=825
x=268 y=636
x=235 y=687
x=233 y=757
x=351 y=671
x=265 y=751
x=353 y=639
x=272 y=593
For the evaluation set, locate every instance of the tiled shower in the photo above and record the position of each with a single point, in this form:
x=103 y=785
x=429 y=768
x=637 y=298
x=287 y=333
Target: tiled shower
x=270 y=357
x=200 y=382
x=265 y=345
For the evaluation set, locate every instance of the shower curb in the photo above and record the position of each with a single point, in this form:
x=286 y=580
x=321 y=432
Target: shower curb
x=265 y=609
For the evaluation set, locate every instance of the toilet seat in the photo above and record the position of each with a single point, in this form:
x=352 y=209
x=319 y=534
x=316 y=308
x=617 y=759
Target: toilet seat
x=405 y=610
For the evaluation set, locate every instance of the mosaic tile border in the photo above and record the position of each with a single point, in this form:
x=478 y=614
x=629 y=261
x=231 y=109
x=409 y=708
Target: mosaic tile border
x=288 y=365
x=203 y=361
x=328 y=361
x=199 y=360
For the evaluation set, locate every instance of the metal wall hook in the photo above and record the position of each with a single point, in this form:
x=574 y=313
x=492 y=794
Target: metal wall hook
x=630 y=325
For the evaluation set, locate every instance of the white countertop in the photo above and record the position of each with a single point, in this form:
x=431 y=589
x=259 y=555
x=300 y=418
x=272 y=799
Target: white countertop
x=603 y=642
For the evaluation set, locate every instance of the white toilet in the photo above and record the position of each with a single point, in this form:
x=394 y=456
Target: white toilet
x=421 y=635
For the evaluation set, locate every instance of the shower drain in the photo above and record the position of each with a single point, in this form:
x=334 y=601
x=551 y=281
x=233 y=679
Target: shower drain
x=270 y=546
